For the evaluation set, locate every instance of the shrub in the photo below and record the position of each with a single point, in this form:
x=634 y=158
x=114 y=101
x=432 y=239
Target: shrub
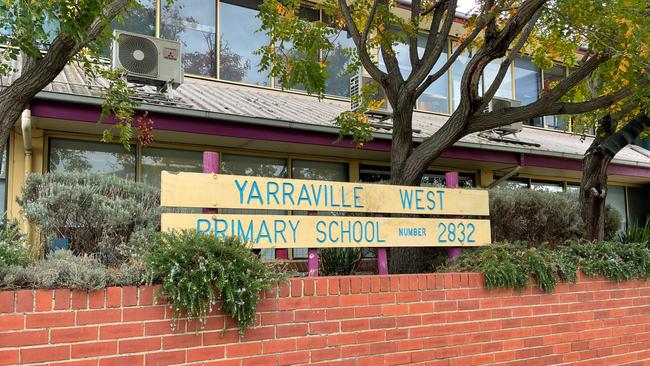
x=636 y=233
x=13 y=244
x=98 y=214
x=63 y=269
x=190 y=267
x=511 y=265
x=540 y=217
x=339 y=261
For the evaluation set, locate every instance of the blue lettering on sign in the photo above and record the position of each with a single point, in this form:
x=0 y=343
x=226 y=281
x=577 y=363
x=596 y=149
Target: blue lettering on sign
x=357 y=191
x=255 y=194
x=412 y=231
x=279 y=230
x=304 y=195
x=294 y=228
x=203 y=221
x=241 y=188
x=420 y=200
x=320 y=231
x=317 y=195
x=287 y=193
x=431 y=199
x=407 y=198
x=272 y=191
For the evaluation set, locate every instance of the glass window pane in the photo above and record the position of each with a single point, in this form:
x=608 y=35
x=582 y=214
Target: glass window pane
x=338 y=82
x=436 y=97
x=402 y=54
x=319 y=170
x=155 y=160
x=616 y=198
x=528 y=80
x=374 y=174
x=490 y=73
x=551 y=77
x=192 y=22
x=141 y=19
x=91 y=156
x=547 y=186
x=639 y=204
x=239 y=38
x=256 y=166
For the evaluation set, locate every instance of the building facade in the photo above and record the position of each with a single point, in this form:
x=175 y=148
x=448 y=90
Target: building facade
x=226 y=105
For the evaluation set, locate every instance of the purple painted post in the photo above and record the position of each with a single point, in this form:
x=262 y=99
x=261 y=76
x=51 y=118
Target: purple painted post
x=451 y=181
x=382 y=257
x=210 y=166
x=312 y=256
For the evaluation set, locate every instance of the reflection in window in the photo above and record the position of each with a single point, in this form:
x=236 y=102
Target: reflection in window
x=552 y=77
x=239 y=39
x=255 y=166
x=639 y=204
x=436 y=97
x=546 y=186
x=155 y=160
x=374 y=174
x=338 y=82
x=527 y=85
x=140 y=19
x=490 y=73
x=182 y=21
x=91 y=156
x=616 y=198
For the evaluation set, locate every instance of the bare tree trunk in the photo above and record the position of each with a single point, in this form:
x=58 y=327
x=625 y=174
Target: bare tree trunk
x=593 y=190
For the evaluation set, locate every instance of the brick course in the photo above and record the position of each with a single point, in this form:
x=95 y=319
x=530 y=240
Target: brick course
x=434 y=319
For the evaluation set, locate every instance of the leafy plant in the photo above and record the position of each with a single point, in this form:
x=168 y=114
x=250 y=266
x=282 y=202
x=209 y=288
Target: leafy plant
x=196 y=271
x=63 y=269
x=13 y=244
x=339 y=261
x=636 y=233
x=511 y=265
x=98 y=214
x=540 y=216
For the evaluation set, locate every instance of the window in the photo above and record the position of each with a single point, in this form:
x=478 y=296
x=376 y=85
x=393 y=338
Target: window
x=639 y=204
x=436 y=97
x=616 y=198
x=528 y=85
x=551 y=77
x=317 y=170
x=91 y=156
x=141 y=19
x=155 y=160
x=490 y=73
x=239 y=38
x=374 y=174
x=547 y=186
x=338 y=82
x=193 y=23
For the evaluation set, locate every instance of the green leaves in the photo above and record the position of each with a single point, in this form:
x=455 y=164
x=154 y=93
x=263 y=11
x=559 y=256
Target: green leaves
x=201 y=273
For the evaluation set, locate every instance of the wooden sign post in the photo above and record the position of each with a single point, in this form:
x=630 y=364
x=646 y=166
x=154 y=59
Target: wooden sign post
x=367 y=222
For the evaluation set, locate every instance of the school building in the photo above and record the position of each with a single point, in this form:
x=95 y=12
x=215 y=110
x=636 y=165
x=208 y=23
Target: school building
x=226 y=105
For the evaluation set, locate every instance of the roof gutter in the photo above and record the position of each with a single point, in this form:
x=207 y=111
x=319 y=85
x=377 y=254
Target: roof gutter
x=185 y=112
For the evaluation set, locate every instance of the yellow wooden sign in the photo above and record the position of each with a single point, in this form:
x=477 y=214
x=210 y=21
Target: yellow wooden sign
x=232 y=191
x=283 y=231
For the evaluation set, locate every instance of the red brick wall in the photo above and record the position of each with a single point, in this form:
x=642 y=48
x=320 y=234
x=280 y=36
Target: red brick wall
x=437 y=319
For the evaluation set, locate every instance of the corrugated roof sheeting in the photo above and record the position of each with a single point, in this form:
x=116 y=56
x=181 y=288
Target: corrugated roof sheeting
x=250 y=101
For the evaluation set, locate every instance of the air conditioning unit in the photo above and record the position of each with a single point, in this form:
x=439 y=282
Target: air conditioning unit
x=357 y=82
x=499 y=104
x=147 y=60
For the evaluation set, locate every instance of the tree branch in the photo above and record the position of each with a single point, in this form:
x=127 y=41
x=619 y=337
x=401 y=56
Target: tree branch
x=360 y=43
x=413 y=39
x=623 y=137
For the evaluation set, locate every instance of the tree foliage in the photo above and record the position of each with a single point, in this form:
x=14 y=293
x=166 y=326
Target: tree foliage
x=44 y=36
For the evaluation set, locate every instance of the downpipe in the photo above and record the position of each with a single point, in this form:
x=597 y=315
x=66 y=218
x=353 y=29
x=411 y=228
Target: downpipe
x=26 y=126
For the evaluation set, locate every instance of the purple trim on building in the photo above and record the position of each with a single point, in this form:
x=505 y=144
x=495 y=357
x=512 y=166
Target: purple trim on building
x=89 y=113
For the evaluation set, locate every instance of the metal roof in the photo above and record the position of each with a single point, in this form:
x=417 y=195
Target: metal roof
x=211 y=98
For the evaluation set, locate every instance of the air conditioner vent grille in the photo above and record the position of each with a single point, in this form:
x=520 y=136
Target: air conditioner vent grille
x=138 y=55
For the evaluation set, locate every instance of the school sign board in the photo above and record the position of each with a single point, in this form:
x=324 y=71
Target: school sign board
x=344 y=214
